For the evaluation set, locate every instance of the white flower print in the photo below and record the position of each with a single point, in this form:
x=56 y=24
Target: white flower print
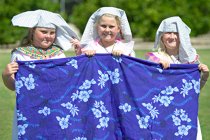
x=67 y=105
x=101 y=103
x=97 y=113
x=185 y=87
x=176 y=112
x=176 y=120
x=103 y=109
x=102 y=79
x=154 y=113
x=18 y=85
x=184 y=117
x=20 y=116
x=165 y=100
x=45 y=111
x=80 y=138
x=99 y=110
x=98 y=104
x=148 y=105
x=21 y=129
x=29 y=82
x=156 y=98
x=152 y=110
x=117 y=59
x=75 y=95
x=169 y=90
x=125 y=107
x=63 y=122
x=179 y=117
x=87 y=84
x=114 y=76
x=103 y=122
x=73 y=63
x=183 y=130
x=143 y=121
x=30 y=65
x=160 y=70
x=196 y=86
x=72 y=108
x=84 y=95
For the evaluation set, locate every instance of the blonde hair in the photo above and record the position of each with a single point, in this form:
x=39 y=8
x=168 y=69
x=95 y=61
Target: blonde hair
x=109 y=15
x=162 y=48
x=115 y=17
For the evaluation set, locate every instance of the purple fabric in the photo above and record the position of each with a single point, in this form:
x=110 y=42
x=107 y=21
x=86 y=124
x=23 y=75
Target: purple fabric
x=106 y=98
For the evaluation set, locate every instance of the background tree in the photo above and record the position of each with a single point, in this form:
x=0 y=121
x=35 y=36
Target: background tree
x=9 y=8
x=145 y=15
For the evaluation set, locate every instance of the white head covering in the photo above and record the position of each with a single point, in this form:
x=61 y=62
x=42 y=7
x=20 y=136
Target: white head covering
x=46 y=19
x=174 y=24
x=90 y=32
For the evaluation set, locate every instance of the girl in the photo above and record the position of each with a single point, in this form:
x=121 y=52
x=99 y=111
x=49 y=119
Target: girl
x=48 y=36
x=107 y=31
x=175 y=47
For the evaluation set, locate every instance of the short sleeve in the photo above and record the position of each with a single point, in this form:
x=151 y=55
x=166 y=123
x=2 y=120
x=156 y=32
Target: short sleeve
x=150 y=56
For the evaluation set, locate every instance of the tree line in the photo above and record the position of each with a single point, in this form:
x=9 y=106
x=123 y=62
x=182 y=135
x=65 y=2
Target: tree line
x=144 y=16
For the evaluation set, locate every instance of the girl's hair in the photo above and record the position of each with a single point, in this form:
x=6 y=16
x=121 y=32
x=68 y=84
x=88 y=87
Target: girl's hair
x=162 y=47
x=114 y=16
x=109 y=15
x=27 y=40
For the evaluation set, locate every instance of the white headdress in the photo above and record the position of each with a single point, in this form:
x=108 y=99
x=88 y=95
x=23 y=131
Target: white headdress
x=46 y=19
x=174 y=24
x=90 y=32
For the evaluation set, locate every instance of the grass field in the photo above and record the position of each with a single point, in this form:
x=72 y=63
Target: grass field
x=7 y=98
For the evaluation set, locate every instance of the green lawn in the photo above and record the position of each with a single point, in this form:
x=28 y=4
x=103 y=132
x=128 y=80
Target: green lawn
x=7 y=99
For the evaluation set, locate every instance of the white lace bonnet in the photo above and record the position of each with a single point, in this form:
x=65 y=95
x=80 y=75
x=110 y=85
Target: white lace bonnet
x=90 y=32
x=174 y=24
x=46 y=19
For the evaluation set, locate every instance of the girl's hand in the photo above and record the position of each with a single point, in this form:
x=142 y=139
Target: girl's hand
x=90 y=53
x=10 y=69
x=117 y=52
x=8 y=75
x=77 y=47
x=205 y=70
x=165 y=64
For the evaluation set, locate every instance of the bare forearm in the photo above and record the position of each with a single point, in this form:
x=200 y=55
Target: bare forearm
x=204 y=78
x=9 y=81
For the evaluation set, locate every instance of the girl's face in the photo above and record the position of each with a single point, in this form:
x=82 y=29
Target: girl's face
x=171 y=41
x=108 y=29
x=43 y=37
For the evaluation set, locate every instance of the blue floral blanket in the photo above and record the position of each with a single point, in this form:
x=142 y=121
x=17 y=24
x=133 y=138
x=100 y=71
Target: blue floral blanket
x=106 y=98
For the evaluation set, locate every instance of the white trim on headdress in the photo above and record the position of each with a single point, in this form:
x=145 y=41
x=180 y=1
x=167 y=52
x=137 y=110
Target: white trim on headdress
x=174 y=24
x=90 y=32
x=46 y=19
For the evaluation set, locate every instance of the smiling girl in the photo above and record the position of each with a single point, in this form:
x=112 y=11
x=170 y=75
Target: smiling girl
x=44 y=35
x=108 y=31
x=174 y=47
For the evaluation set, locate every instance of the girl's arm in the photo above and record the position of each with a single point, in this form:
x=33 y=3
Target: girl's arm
x=204 y=74
x=8 y=75
x=77 y=46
